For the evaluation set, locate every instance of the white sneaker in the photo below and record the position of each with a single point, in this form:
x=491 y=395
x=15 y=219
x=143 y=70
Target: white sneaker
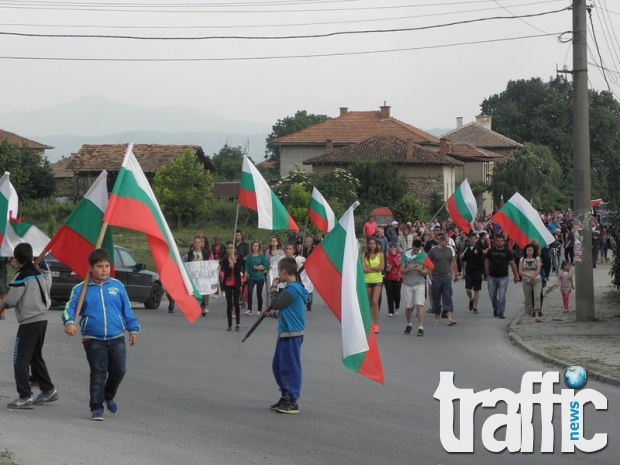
x=248 y=312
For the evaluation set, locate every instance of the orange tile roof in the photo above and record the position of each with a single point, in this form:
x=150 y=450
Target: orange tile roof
x=20 y=141
x=152 y=157
x=468 y=152
x=479 y=136
x=389 y=148
x=356 y=126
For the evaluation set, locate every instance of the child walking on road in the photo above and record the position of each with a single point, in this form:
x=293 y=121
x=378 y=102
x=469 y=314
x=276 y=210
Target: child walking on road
x=565 y=283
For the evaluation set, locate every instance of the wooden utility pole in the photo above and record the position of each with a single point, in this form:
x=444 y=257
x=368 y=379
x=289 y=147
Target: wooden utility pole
x=582 y=189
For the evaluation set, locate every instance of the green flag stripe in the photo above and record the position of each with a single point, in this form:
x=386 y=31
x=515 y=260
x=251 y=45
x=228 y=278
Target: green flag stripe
x=86 y=220
x=318 y=208
x=523 y=223
x=334 y=246
x=280 y=215
x=462 y=206
x=247 y=182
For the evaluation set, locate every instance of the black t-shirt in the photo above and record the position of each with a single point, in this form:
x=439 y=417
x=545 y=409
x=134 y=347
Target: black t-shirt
x=499 y=261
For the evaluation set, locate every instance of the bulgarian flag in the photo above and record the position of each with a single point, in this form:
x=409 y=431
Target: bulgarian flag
x=133 y=206
x=462 y=207
x=8 y=206
x=522 y=222
x=320 y=213
x=423 y=259
x=14 y=231
x=335 y=269
x=255 y=194
x=78 y=236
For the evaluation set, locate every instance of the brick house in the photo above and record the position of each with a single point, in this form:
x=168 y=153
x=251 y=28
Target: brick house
x=350 y=127
x=425 y=171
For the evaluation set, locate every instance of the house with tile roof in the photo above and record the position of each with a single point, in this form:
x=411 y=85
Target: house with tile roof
x=90 y=160
x=481 y=149
x=20 y=141
x=425 y=171
x=350 y=127
x=479 y=134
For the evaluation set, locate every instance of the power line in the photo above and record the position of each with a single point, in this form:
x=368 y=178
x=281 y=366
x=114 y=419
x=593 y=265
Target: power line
x=589 y=10
x=318 y=23
x=321 y=55
x=306 y=36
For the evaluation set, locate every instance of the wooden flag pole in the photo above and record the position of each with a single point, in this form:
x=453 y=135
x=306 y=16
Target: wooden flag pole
x=78 y=307
x=438 y=211
x=236 y=220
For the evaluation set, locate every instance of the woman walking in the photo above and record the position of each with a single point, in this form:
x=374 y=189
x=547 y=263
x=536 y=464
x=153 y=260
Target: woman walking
x=256 y=265
x=230 y=274
x=373 y=264
x=529 y=270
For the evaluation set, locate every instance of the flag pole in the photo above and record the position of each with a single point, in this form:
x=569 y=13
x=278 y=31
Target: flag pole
x=262 y=316
x=80 y=301
x=236 y=220
x=438 y=211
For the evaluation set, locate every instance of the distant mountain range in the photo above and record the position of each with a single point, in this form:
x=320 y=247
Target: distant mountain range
x=97 y=120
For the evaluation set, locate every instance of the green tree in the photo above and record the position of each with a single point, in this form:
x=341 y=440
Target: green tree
x=286 y=126
x=339 y=187
x=409 y=208
x=228 y=163
x=534 y=173
x=296 y=178
x=31 y=173
x=380 y=184
x=541 y=113
x=297 y=205
x=183 y=188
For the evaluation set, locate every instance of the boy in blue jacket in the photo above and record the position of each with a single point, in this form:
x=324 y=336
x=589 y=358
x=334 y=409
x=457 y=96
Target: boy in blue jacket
x=104 y=317
x=289 y=306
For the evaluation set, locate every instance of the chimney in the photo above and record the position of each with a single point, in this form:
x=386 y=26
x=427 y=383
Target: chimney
x=409 y=149
x=385 y=111
x=459 y=122
x=343 y=111
x=444 y=146
x=484 y=121
x=329 y=146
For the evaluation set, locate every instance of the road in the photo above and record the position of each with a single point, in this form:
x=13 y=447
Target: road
x=196 y=394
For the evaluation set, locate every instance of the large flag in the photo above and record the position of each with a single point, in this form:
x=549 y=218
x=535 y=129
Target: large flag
x=522 y=222
x=133 y=206
x=8 y=206
x=335 y=268
x=255 y=194
x=463 y=207
x=320 y=213
x=78 y=236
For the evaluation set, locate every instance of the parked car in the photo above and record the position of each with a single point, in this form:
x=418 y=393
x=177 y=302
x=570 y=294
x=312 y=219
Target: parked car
x=142 y=285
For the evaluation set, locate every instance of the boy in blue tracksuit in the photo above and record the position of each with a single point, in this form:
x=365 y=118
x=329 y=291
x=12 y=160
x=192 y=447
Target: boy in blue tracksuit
x=289 y=306
x=104 y=317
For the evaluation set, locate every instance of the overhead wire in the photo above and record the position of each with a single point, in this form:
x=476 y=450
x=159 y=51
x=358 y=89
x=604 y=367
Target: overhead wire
x=288 y=37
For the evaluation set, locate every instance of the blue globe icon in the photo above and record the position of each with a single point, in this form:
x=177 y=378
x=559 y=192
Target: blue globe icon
x=575 y=377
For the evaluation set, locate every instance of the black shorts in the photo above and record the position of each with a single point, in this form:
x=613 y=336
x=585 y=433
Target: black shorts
x=473 y=281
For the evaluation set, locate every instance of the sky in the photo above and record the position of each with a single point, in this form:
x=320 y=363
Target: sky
x=252 y=60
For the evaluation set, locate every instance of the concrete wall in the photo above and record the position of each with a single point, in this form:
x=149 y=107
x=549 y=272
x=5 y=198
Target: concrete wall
x=292 y=157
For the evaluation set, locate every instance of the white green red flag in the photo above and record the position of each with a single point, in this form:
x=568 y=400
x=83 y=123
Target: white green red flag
x=255 y=194
x=14 y=231
x=8 y=205
x=522 y=222
x=78 y=236
x=335 y=269
x=320 y=213
x=133 y=206
x=423 y=259
x=463 y=207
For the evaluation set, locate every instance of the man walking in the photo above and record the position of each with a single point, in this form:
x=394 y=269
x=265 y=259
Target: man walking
x=413 y=289
x=473 y=258
x=443 y=272
x=498 y=259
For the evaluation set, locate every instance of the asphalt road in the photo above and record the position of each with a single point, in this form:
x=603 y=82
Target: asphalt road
x=194 y=394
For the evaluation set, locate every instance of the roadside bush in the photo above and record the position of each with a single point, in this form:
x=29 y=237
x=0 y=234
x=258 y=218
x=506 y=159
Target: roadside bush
x=42 y=211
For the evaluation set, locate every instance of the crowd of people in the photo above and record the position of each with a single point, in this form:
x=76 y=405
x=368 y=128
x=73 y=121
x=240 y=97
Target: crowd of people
x=421 y=261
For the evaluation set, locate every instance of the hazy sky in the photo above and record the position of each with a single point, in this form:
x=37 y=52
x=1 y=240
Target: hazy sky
x=426 y=82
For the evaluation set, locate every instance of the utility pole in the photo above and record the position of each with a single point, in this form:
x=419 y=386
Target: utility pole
x=582 y=189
